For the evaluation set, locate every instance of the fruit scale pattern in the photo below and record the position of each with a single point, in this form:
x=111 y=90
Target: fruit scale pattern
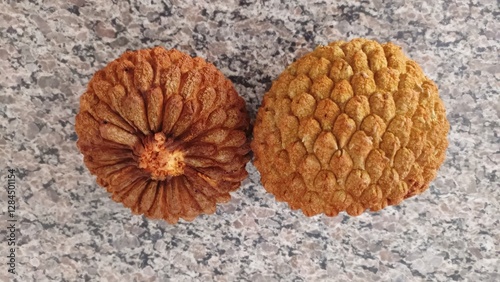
x=348 y=127
x=165 y=133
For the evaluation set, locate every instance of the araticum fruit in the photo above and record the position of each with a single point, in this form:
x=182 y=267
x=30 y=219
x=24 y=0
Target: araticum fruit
x=165 y=133
x=350 y=126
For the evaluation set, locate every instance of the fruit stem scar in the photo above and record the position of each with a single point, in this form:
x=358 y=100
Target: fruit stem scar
x=161 y=157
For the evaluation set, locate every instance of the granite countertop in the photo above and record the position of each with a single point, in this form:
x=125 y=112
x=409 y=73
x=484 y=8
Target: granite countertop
x=68 y=228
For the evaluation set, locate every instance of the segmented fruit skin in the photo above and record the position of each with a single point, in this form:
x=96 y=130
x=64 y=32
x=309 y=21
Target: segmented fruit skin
x=348 y=127
x=165 y=133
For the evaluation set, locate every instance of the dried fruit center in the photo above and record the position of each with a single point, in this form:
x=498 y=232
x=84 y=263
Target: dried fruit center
x=161 y=157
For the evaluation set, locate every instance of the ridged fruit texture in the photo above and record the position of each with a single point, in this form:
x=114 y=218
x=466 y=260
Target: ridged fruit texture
x=165 y=133
x=348 y=127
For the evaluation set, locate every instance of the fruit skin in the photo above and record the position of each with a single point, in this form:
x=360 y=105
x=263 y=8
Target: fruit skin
x=165 y=133
x=348 y=127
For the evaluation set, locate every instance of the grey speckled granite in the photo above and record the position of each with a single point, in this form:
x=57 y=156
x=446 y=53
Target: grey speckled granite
x=71 y=231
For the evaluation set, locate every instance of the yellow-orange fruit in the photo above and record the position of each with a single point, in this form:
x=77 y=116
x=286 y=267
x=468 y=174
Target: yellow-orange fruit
x=165 y=133
x=348 y=127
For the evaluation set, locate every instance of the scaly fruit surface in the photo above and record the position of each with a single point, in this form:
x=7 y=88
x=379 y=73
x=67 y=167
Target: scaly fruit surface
x=164 y=133
x=348 y=127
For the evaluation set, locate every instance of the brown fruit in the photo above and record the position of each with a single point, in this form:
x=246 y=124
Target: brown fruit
x=350 y=126
x=165 y=133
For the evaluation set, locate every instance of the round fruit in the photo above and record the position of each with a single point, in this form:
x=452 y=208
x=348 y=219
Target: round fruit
x=165 y=133
x=350 y=126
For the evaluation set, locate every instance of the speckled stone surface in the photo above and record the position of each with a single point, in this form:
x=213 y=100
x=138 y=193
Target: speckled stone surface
x=70 y=230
